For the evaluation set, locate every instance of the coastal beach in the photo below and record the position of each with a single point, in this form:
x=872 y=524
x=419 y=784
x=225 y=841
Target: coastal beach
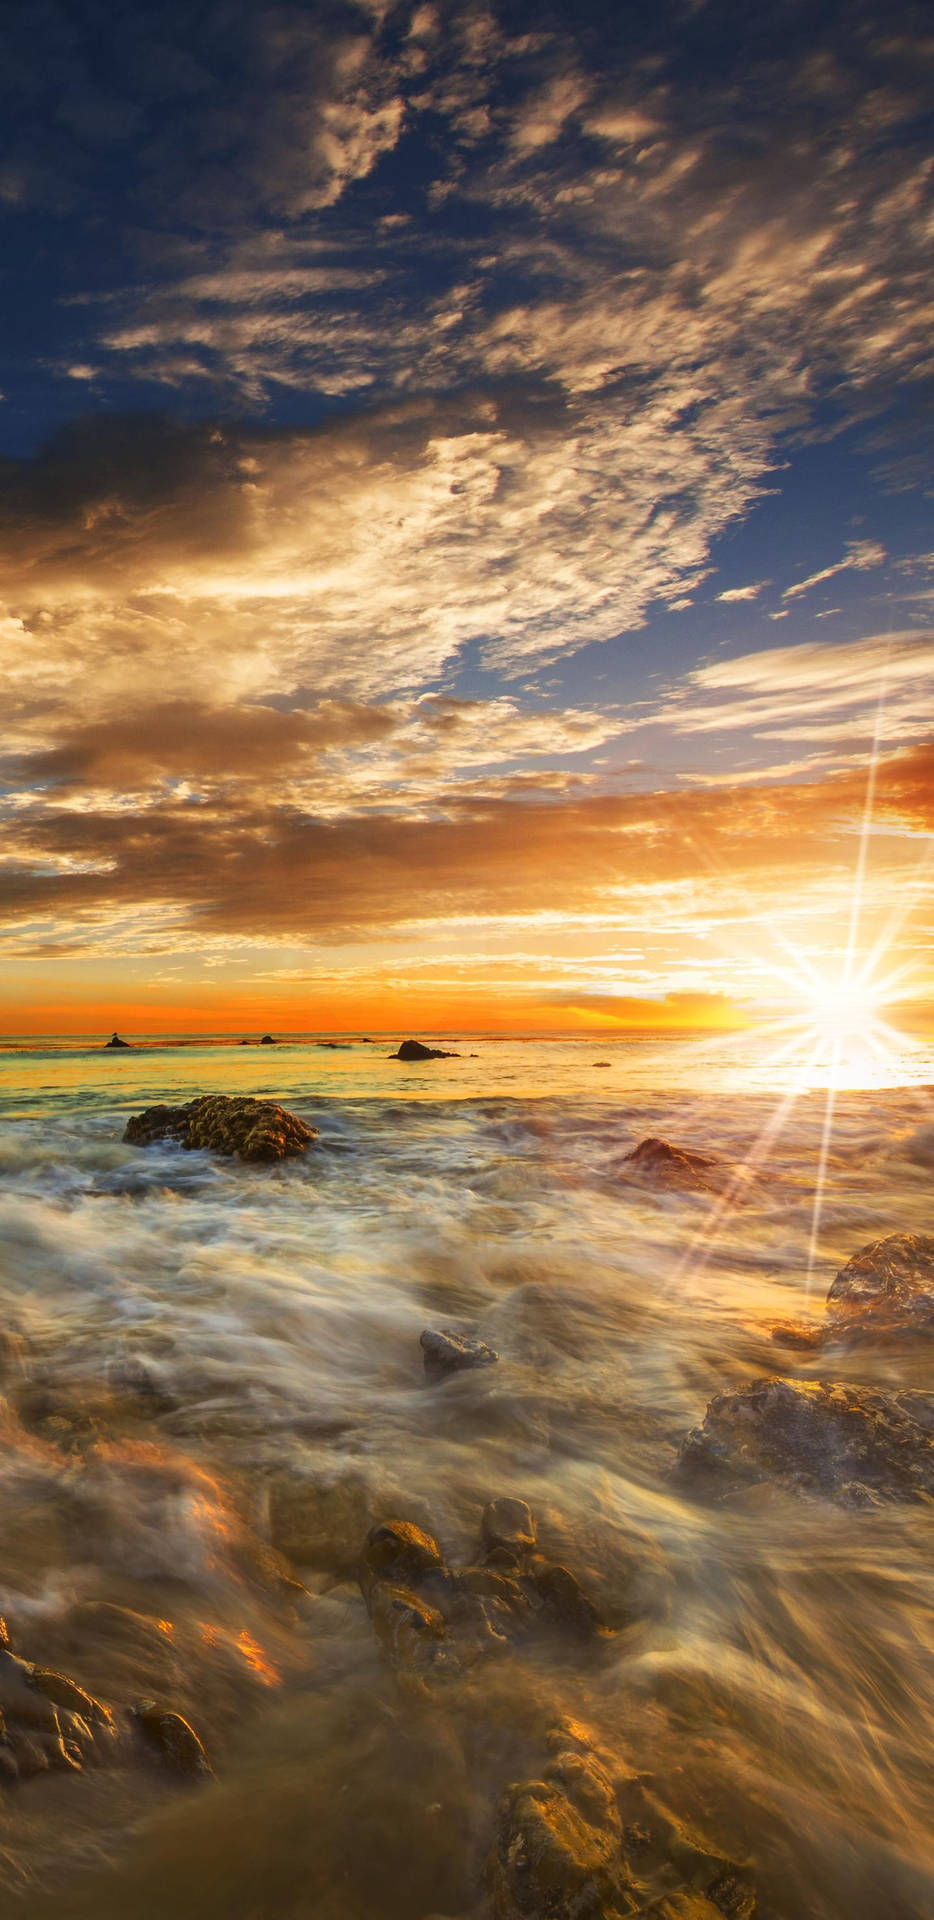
x=214 y=1390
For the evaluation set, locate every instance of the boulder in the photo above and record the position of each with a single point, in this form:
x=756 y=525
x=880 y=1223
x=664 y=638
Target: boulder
x=414 y=1050
x=254 y=1130
x=886 y=1286
x=448 y=1352
x=669 y=1166
x=884 y=1293
x=845 y=1442
x=116 y=1041
x=267 y=1040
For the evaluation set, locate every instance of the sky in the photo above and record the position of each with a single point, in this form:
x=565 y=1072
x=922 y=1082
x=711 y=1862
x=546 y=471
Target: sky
x=466 y=548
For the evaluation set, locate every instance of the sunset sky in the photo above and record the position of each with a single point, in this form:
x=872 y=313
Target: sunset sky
x=465 y=512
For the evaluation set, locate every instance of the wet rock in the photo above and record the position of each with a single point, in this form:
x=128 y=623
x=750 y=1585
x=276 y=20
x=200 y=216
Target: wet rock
x=48 y=1722
x=888 y=1286
x=480 y=1609
x=267 y=1040
x=509 y=1524
x=415 y=1050
x=171 y=1739
x=408 y=1628
x=682 y=1167
x=116 y=1041
x=558 y=1848
x=400 y=1552
x=565 y=1601
x=448 y=1352
x=849 y=1443
x=254 y=1130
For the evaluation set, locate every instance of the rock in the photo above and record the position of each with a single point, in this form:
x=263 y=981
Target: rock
x=116 y=1042
x=171 y=1739
x=414 y=1050
x=888 y=1286
x=400 y=1552
x=584 y=1844
x=566 y=1603
x=48 y=1722
x=510 y=1524
x=480 y=1609
x=255 y=1130
x=558 y=1848
x=267 y=1040
x=409 y=1629
x=448 y=1352
x=679 y=1166
x=849 y=1443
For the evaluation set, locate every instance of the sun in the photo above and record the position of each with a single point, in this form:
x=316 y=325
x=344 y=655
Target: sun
x=843 y=1009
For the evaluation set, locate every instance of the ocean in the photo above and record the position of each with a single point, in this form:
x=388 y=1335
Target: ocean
x=213 y=1390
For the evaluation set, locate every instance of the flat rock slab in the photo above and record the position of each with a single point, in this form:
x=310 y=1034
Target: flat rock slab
x=448 y=1352
x=254 y=1130
x=849 y=1443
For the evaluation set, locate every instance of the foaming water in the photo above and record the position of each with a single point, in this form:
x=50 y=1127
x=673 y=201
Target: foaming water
x=213 y=1388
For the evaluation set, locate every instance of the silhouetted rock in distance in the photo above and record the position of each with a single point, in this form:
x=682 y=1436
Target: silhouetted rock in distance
x=414 y=1050
x=116 y=1041
x=252 y=1129
x=267 y=1040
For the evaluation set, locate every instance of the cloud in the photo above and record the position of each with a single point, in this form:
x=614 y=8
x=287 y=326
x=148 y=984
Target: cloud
x=835 y=692
x=861 y=555
x=274 y=872
x=751 y=592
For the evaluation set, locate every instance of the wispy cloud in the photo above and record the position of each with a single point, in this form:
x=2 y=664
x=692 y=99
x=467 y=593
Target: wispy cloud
x=860 y=557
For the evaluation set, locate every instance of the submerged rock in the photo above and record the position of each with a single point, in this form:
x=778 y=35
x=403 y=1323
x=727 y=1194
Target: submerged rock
x=171 y=1739
x=48 y=1723
x=850 y=1443
x=448 y=1352
x=558 y=1848
x=415 y=1050
x=251 y=1129
x=679 y=1166
x=422 y=1610
x=584 y=1843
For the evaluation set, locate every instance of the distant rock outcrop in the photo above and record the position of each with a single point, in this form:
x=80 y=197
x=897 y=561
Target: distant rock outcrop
x=414 y=1050
x=251 y=1129
x=846 y=1442
x=267 y=1040
x=116 y=1041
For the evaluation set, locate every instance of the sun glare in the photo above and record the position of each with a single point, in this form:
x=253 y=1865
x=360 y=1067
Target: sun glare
x=843 y=1007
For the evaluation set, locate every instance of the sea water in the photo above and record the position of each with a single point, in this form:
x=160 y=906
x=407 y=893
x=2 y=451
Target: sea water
x=213 y=1387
